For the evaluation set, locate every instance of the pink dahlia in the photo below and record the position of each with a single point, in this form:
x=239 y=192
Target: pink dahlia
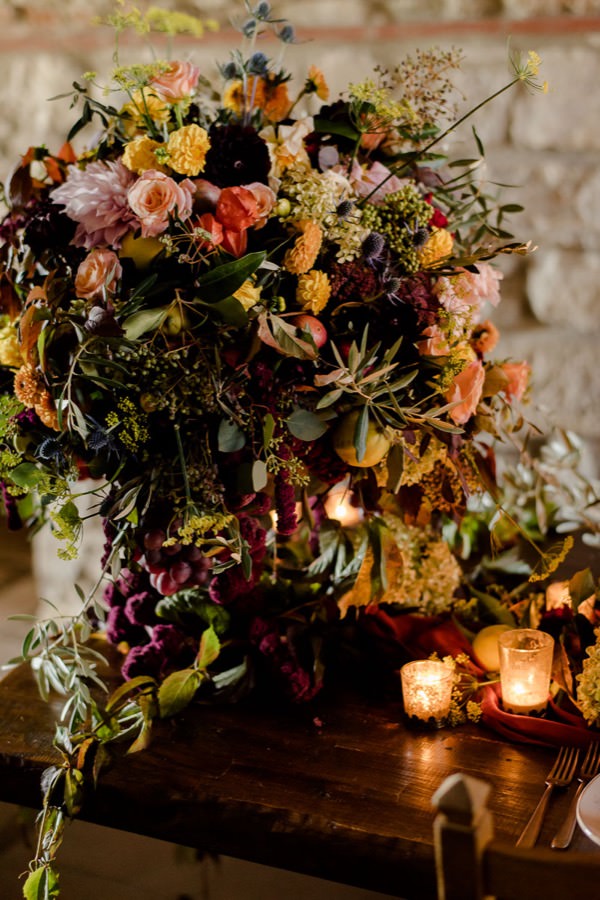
x=96 y=198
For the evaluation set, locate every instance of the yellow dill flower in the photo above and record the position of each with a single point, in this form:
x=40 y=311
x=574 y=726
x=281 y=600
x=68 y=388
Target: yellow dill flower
x=316 y=84
x=187 y=149
x=313 y=291
x=133 y=430
x=196 y=527
x=301 y=257
x=437 y=247
x=248 y=294
x=534 y=61
x=139 y=155
x=144 y=105
x=10 y=351
x=172 y=23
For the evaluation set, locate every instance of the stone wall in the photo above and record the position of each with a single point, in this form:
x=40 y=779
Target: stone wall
x=546 y=145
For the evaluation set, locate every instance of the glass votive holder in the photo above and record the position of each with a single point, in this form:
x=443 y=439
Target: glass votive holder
x=427 y=691
x=525 y=670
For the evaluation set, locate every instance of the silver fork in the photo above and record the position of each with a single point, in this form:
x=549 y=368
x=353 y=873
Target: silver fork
x=560 y=775
x=589 y=768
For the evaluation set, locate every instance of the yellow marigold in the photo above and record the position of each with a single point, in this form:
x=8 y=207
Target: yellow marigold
x=301 y=257
x=28 y=385
x=438 y=247
x=248 y=294
x=261 y=93
x=10 y=352
x=143 y=104
x=313 y=291
x=187 y=149
x=316 y=84
x=139 y=155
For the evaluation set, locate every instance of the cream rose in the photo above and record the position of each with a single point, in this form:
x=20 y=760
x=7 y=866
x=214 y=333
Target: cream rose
x=177 y=83
x=98 y=274
x=155 y=196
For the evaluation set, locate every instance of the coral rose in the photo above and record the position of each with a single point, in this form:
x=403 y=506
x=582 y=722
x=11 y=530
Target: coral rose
x=209 y=224
x=236 y=208
x=517 y=374
x=465 y=392
x=265 y=201
x=98 y=274
x=177 y=83
x=154 y=197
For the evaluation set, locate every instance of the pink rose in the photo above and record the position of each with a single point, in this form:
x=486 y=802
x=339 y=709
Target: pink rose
x=177 y=83
x=518 y=378
x=98 y=274
x=265 y=201
x=155 y=196
x=236 y=208
x=465 y=392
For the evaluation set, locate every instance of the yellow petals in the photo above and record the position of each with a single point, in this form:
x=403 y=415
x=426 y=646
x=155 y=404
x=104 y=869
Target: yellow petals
x=313 y=291
x=438 y=247
x=139 y=155
x=187 y=149
x=248 y=295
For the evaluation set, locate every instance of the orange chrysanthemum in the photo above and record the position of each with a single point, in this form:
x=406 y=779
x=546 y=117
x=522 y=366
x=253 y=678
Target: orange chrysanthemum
x=46 y=410
x=301 y=257
x=28 y=385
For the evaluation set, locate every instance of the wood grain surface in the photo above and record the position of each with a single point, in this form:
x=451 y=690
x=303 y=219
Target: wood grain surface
x=340 y=789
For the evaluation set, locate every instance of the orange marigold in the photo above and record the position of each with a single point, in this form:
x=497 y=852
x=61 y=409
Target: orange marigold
x=301 y=257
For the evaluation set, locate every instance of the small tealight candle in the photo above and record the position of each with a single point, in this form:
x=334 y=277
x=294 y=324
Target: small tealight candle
x=427 y=690
x=525 y=670
x=338 y=506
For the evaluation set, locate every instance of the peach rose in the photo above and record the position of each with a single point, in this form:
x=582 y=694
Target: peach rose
x=517 y=374
x=98 y=274
x=265 y=201
x=435 y=343
x=236 y=208
x=177 y=83
x=155 y=196
x=465 y=392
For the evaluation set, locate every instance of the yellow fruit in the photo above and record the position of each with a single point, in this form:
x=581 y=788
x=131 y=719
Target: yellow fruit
x=377 y=445
x=141 y=250
x=485 y=645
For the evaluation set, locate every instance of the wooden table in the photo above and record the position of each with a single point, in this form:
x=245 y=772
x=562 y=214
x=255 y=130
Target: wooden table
x=341 y=790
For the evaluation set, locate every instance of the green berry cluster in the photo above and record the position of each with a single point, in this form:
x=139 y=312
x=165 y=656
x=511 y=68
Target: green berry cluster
x=400 y=215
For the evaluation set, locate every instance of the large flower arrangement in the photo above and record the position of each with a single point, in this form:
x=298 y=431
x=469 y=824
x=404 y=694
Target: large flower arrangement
x=257 y=321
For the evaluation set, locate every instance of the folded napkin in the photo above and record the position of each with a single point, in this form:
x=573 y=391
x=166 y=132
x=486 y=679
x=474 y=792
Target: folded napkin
x=410 y=636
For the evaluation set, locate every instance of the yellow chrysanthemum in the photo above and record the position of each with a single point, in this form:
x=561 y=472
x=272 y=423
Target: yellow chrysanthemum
x=301 y=257
x=248 y=294
x=316 y=84
x=438 y=247
x=10 y=352
x=144 y=104
x=139 y=155
x=313 y=291
x=187 y=149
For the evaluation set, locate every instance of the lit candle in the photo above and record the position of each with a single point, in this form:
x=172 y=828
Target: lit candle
x=525 y=670
x=338 y=506
x=427 y=690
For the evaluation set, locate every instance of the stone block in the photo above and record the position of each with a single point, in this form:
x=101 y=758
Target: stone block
x=566 y=376
x=564 y=289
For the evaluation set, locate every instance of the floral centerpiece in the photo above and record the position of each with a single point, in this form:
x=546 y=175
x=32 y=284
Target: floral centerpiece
x=257 y=321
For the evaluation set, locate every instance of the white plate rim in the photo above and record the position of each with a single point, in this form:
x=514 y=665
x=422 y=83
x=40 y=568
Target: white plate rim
x=592 y=787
